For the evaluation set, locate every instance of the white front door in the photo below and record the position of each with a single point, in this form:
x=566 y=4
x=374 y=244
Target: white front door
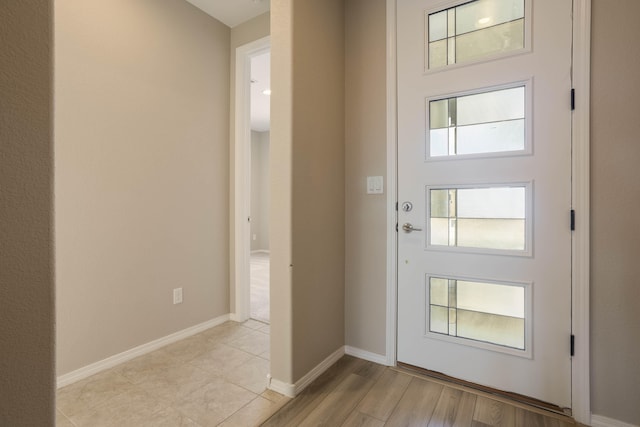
x=484 y=190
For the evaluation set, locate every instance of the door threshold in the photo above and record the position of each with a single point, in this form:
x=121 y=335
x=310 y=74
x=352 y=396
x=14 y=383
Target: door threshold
x=510 y=396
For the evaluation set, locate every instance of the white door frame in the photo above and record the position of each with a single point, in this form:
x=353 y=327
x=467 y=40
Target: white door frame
x=242 y=173
x=580 y=372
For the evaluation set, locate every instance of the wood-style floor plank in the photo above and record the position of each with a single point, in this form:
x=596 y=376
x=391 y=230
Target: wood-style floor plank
x=297 y=409
x=385 y=394
x=336 y=406
x=354 y=393
x=417 y=404
x=369 y=370
x=358 y=419
x=493 y=413
x=526 y=418
x=454 y=409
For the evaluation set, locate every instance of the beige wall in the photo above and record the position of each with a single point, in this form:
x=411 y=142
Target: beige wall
x=280 y=212
x=259 y=191
x=366 y=145
x=307 y=166
x=247 y=32
x=142 y=175
x=615 y=204
x=27 y=316
x=317 y=182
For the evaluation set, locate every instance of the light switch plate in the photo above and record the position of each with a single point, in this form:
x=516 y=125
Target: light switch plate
x=375 y=185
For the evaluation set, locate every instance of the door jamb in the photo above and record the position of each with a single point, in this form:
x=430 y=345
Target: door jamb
x=241 y=207
x=580 y=182
x=580 y=317
x=392 y=179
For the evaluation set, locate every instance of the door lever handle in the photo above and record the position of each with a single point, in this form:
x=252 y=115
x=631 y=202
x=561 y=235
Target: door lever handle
x=409 y=228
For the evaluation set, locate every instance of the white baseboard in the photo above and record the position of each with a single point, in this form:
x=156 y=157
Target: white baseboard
x=366 y=355
x=292 y=390
x=303 y=382
x=236 y=318
x=600 y=421
x=281 y=387
x=143 y=349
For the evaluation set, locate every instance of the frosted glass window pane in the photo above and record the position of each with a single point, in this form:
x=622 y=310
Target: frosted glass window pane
x=486 y=122
x=439 y=142
x=486 y=13
x=491 y=298
x=438 y=54
x=439 y=114
x=440 y=231
x=451 y=51
x=453 y=319
x=484 y=218
x=504 y=234
x=480 y=311
x=474 y=30
x=438 y=26
x=494 y=106
x=489 y=137
x=505 y=202
x=439 y=203
x=439 y=319
x=451 y=22
x=501 y=38
x=439 y=292
x=491 y=328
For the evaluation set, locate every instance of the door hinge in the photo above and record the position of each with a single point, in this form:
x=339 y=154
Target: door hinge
x=396 y=206
x=396 y=227
x=573 y=220
x=573 y=345
x=573 y=99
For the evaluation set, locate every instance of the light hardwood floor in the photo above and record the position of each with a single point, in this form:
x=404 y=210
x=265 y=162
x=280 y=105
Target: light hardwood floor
x=354 y=392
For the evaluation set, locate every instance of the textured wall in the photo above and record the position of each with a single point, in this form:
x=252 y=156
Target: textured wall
x=615 y=203
x=366 y=148
x=142 y=175
x=26 y=217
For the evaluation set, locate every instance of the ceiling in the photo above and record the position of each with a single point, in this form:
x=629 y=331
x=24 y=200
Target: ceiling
x=232 y=12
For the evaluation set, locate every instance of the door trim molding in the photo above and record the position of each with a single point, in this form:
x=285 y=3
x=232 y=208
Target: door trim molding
x=580 y=366
x=392 y=179
x=241 y=185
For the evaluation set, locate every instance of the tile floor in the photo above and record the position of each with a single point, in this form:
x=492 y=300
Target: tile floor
x=215 y=378
x=259 y=287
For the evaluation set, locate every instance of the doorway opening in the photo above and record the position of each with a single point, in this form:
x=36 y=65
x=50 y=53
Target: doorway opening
x=260 y=142
x=251 y=182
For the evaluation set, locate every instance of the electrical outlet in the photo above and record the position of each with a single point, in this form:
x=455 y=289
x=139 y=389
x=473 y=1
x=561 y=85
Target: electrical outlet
x=255 y=236
x=177 y=296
